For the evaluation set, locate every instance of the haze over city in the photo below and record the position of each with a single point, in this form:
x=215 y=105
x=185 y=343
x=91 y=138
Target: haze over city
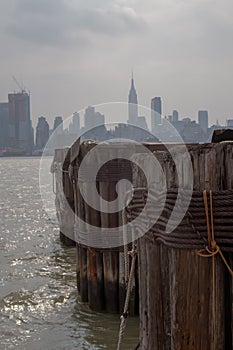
x=71 y=54
x=116 y=166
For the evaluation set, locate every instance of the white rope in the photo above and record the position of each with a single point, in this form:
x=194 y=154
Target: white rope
x=129 y=275
x=124 y=315
x=126 y=253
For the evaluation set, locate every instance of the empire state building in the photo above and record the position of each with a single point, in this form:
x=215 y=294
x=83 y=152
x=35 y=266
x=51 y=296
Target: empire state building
x=132 y=104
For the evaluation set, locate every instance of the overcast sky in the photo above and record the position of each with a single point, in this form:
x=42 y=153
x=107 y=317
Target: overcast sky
x=74 y=53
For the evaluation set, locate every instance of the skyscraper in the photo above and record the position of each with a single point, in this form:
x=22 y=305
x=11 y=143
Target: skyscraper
x=4 y=120
x=230 y=123
x=93 y=118
x=42 y=133
x=89 y=117
x=20 y=129
x=175 y=116
x=132 y=104
x=58 y=122
x=203 y=120
x=156 y=112
x=74 y=126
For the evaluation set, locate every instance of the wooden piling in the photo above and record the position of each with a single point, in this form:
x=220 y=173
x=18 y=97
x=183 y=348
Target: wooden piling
x=83 y=274
x=110 y=258
x=94 y=263
x=100 y=273
x=186 y=300
x=64 y=195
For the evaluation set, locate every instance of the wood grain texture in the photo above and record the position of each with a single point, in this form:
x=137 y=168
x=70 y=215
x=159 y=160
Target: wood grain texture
x=181 y=306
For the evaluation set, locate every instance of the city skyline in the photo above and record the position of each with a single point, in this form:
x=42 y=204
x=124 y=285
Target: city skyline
x=16 y=128
x=71 y=54
x=191 y=131
x=50 y=118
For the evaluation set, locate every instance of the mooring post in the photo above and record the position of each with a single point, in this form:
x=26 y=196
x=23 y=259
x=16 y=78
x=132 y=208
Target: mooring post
x=186 y=300
x=63 y=190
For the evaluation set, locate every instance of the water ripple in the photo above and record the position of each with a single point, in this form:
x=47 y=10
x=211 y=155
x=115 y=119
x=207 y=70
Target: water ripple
x=39 y=305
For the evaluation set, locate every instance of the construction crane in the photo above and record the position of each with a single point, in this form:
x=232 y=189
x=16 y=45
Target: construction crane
x=19 y=84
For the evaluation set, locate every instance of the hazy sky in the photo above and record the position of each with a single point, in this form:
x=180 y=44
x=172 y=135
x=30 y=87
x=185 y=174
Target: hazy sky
x=73 y=53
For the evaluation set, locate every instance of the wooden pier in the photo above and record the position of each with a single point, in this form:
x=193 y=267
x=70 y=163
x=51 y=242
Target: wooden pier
x=101 y=279
x=186 y=300
x=184 y=293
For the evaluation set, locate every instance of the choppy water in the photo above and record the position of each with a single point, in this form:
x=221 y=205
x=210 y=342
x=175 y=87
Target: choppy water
x=39 y=304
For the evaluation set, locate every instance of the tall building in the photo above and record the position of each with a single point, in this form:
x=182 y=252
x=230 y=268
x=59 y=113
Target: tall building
x=20 y=127
x=4 y=121
x=203 y=120
x=74 y=127
x=42 y=133
x=89 y=117
x=175 y=116
x=93 y=118
x=32 y=136
x=230 y=123
x=132 y=104
x=58 y=122
x=156 y=112
x=99 y=118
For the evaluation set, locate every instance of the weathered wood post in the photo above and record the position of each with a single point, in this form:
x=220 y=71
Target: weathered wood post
x=186 y=300
x=95 y=271
x=64 y=195
x=100 y=271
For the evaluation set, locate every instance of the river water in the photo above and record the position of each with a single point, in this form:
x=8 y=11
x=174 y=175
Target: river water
x=39 y=303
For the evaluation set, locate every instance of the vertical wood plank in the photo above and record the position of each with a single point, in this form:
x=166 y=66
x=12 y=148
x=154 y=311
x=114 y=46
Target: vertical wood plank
x=193 y=314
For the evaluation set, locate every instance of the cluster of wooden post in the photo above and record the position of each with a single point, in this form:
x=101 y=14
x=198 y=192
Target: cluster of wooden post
x=185 y=302
x=100 y=273
x=101 y=279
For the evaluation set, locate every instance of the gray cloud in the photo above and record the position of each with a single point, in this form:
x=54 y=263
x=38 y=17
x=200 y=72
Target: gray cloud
x=54 y=22
x=195 y=30
x=44 y=7
x=83 y=51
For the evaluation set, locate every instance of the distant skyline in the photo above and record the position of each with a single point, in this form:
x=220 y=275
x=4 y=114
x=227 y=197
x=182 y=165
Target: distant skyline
x=71 y=54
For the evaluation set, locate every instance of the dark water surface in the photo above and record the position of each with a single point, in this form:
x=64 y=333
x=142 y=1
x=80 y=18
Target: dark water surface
x=39 y=304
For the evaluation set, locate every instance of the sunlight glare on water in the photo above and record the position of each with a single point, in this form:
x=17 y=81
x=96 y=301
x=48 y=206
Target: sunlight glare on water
x=39 y=304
